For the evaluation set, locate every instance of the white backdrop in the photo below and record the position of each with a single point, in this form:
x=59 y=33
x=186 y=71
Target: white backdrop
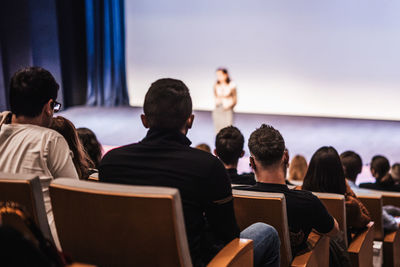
x=306 y=57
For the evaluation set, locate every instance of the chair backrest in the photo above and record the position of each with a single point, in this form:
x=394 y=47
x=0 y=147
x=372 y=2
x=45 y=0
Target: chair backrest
x=26 y=190
x=335 y=204
x=373 y=203
x=390 y=198
x=120 y=225
x=270 y=208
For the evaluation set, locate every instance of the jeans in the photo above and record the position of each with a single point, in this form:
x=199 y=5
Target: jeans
x=266 y=244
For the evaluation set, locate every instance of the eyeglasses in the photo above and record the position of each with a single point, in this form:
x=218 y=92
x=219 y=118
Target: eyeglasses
x=56 y=106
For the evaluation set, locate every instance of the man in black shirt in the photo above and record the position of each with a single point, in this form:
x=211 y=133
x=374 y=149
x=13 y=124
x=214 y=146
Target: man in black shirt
x=305 y=212
x=229 y=148
x=164 y=158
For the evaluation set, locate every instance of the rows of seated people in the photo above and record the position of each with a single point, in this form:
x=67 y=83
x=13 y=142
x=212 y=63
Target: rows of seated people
x=33 y=141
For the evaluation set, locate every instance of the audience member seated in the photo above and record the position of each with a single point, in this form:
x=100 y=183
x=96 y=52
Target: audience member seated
x=83 y=164
x=325 y=174
x=305 y=212
x=297 y=169
x=164 y=158
x=204 y=147
x=229 y=148
x=27 y=146
x=395 y=172
x=352 y=166
x=91 y=145
x=380 y=168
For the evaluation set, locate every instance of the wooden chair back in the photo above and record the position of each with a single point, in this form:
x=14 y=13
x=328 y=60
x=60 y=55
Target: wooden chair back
x=26 y=190
x=120 y=225
x=373 y=202
x=270 y=208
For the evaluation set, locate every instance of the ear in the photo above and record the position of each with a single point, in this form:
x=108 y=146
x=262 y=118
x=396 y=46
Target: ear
x=189 y=121
x=252 y=163
x=285 y=158
x=144 y=121
x=373 y=172
x=242 y=154
x=47 y=109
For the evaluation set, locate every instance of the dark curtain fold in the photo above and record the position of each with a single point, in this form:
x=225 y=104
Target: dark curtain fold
x=105 y=31
x=3 y=89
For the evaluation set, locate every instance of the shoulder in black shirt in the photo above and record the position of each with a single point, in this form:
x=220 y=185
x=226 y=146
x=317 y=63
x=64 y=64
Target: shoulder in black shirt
x=244 y=178
x=377 y=186
x=304 y=211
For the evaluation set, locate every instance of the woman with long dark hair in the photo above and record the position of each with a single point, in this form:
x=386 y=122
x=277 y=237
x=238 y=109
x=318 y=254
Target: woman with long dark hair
x=325 y=174
x=92 y=146
x=225 y=100
x=82 y=162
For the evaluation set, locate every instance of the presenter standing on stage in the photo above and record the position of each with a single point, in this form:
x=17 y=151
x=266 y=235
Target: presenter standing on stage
x=225 y=100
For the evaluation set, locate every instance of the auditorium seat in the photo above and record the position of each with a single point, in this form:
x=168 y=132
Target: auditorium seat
x=270 y=208
x=373 y=203
x=123 y=225
x=391 y=241
x=26 y=190
x=361 y=246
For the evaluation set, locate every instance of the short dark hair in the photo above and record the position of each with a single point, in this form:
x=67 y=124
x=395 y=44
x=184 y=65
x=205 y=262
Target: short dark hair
x=167 y=104
x=267 y=145
x=30 y=89
x=352 y=164
x=325 y=172
x=381 y=165
x=229 y=144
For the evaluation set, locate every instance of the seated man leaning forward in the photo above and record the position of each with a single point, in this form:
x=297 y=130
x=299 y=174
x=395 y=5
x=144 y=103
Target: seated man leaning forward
x=27 y=146
x=229 y=148
x=305 y=212
x=164 y=158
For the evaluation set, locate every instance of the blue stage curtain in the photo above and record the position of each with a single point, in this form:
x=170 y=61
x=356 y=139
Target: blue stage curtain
x=105 y=32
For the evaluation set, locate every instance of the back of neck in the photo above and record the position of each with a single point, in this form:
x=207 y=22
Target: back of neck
x=271 y=176
x=26 y=120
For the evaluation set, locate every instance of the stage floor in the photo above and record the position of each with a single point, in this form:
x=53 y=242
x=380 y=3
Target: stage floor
x=303 y=135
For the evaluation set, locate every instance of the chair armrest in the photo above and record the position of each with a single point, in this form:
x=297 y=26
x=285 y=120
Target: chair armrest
x=318 y=254
x=77 y=264
x=360 y=248
x=391 y=248
x=239 y=252
x=361 y=240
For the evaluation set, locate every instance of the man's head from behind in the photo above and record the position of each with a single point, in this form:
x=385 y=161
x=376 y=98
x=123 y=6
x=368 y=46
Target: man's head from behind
x=352 y=164
x=33 y=92
x=168 y=105
x=267 y=147
x=379 y=166
x=229 y=145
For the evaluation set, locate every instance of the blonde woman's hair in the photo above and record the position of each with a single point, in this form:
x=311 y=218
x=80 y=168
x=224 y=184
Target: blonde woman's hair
x=297 y=168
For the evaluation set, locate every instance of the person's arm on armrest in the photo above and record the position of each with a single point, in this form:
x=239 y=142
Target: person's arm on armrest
x=323 y=222
x=335 y=229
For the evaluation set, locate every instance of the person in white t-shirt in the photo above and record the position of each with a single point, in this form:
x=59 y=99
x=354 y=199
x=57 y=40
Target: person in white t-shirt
x=225 y=100
x=27 y=146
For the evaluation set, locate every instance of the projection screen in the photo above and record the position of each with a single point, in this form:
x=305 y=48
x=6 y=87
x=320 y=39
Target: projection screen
x=307 y=57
